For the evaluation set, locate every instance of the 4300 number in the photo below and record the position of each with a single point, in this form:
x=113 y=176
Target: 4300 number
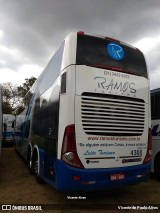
x=136 y=152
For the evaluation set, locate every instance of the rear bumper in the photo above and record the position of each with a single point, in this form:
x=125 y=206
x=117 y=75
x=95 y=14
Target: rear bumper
x=98 y=179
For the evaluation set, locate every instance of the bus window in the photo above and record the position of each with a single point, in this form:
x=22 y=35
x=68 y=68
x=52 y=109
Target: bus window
x=63 y=83
x=92 y=51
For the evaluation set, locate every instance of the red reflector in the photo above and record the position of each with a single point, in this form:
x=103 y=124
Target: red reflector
x=112 y=39
x=80 y=33
x=76 y=178
x=51 y=172
x=85 y=182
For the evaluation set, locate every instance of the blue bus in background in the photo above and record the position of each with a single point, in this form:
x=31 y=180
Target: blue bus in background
x=155 y=113
x=8 y=130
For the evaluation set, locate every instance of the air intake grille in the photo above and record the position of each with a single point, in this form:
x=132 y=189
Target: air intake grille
x=112 y=115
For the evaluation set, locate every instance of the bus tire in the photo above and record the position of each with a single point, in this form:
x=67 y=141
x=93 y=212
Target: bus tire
x=30 y=163
x=157 y=166
x=36 y=166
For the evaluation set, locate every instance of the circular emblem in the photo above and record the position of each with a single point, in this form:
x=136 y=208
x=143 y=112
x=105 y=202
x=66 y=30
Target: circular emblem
x=115 y=51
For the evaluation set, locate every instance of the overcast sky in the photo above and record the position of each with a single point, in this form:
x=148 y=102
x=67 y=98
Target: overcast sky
x=31 y=31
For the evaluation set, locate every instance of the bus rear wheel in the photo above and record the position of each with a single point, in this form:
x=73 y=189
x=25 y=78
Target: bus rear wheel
x=29 y=163
x=157 y=167
x=36 y=169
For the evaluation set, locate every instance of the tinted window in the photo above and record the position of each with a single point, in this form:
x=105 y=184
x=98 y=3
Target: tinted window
x=94 y=51
x=52 y=70
x=63 y=83
x=26 y=131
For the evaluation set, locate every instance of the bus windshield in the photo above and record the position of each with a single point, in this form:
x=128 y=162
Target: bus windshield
x=97 y=52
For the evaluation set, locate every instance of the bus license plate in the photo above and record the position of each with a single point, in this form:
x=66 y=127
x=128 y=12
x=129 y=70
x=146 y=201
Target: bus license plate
x=119 y=176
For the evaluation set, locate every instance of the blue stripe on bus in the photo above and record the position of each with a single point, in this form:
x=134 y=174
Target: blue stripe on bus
x=99 y=178
x=154 y=130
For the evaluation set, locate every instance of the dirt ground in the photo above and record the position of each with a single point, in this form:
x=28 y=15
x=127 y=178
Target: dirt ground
x=18 y=187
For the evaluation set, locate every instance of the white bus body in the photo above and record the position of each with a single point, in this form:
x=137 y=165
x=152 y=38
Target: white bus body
x=155 y=113
x=87 y=122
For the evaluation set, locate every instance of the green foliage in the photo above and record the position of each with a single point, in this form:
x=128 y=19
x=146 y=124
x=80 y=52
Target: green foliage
x=7 y=109
x=22 y=90
x=9 y=97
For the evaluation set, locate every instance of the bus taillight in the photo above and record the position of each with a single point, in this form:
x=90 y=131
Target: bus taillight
x=69 y=151
x=80 y=33
x=149 y=148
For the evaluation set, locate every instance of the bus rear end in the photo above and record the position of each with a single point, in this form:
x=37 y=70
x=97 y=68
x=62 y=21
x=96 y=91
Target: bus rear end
x=108 y=144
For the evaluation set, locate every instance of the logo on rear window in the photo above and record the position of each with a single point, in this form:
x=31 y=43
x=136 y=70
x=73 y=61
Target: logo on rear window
x=115 y=51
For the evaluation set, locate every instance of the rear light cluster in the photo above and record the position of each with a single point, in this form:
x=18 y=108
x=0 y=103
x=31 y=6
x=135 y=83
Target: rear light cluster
x=69 y=151
x=149 y=148
x=80 y=33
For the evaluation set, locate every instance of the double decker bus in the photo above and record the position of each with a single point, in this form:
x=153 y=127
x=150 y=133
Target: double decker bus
x=86 y=120
x=155 y=115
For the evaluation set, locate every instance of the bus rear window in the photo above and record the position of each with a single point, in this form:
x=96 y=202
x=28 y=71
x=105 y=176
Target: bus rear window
x=94 y=51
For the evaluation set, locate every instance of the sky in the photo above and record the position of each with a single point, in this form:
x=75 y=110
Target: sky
x=32 y=30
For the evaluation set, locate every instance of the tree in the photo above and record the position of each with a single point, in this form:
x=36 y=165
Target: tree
x=22 y=90
x=12 y=95
x=10 y=98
